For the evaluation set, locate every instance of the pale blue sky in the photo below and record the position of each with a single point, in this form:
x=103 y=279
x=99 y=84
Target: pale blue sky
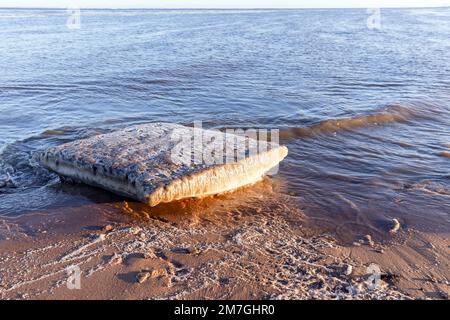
x=223 y=3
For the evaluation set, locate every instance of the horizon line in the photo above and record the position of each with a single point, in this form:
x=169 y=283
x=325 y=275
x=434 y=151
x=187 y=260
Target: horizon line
x=219 y=8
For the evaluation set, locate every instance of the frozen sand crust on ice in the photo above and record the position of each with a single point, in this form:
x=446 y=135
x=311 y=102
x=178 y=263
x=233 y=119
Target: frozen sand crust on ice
x=138 y=162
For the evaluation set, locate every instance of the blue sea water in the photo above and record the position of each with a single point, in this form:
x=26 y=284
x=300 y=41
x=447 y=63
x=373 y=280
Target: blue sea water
x=364 y=112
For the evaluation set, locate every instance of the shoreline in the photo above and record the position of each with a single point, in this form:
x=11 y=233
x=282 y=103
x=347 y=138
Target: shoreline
x=226 y=248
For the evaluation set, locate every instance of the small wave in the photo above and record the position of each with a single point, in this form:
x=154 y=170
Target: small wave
x=36 y=86
x=395 y=113
x=432 y=187
x=19 y=169
x=445 y=154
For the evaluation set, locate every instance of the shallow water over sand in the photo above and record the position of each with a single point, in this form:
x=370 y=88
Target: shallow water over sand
x=365 y=113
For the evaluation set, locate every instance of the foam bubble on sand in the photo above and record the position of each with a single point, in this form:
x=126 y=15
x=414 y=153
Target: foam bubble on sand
x=144 y=162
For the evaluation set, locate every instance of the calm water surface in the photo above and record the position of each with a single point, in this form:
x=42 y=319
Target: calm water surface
x=365 y=113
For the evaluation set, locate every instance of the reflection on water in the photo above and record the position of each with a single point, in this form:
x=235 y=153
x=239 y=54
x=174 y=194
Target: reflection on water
x=365 y=114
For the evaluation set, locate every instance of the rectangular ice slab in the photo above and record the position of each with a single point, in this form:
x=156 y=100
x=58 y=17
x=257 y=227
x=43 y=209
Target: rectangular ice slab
x=163 y=162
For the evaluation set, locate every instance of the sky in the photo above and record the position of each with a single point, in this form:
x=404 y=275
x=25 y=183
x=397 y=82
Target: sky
x=222 y=3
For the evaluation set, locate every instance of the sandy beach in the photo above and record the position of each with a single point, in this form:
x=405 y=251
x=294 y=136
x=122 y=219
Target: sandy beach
x=219 y=248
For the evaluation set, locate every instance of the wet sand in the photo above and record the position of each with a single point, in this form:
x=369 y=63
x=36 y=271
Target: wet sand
x=252 y=244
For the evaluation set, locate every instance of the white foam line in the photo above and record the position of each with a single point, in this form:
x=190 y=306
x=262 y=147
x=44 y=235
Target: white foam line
x=82 y=248
x=20 y=284
x=43 y=249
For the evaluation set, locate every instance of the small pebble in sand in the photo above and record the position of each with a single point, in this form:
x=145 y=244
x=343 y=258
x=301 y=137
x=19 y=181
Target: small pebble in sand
x=395 y=226
x=150 y=254
x=348 y=270
x=101 y=237
x=368 y=240
x=134 y=230
x=158 y=273
x=142 y=236
x=116 y=259
x=143 y=276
